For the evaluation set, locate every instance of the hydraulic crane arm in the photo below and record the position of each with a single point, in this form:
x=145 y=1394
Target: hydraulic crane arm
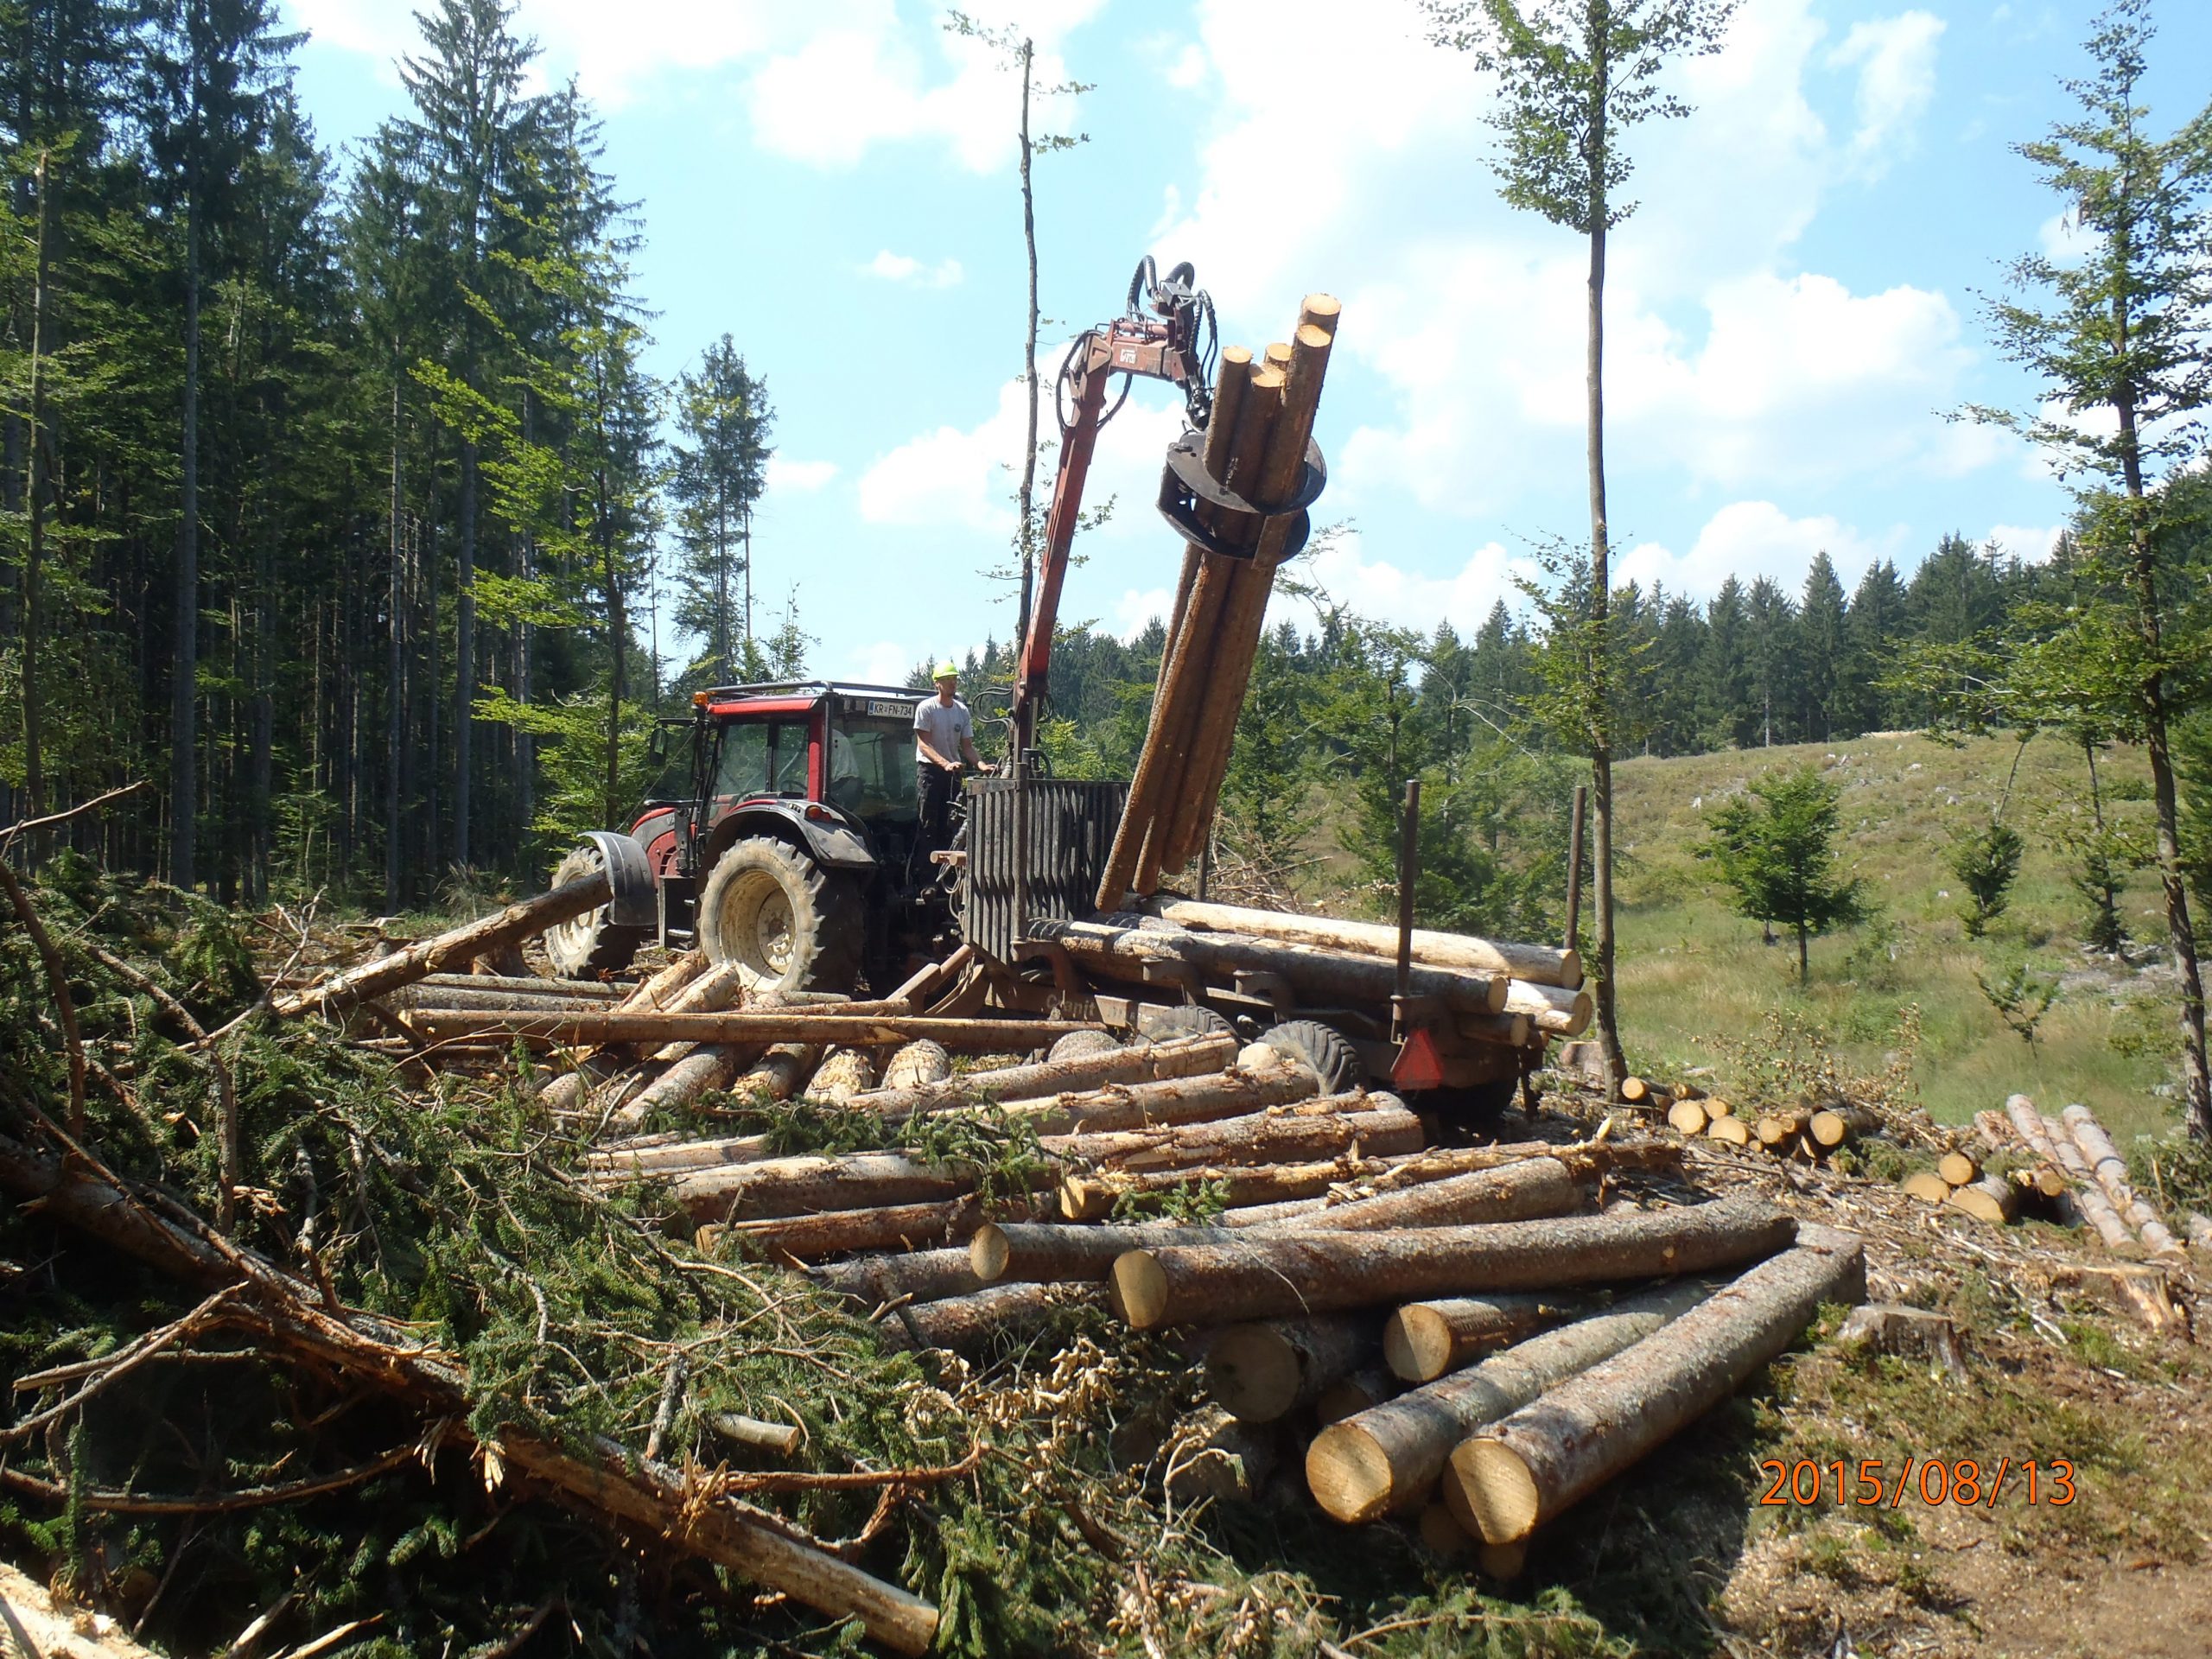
x=1167 y=334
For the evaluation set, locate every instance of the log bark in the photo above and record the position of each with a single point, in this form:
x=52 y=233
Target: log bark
x=1118 y=944
x=1525 y=1190
x=1540 y=964
x=916 y=1064
x=1385 y=1461
x=1367 y=1125
x=710 y=1067
x=780 y=1074
x=843 y=1073
x=1056 y=1253
x=1234 y=1093
x=1263 y=1371
x=574 y=990
x=1145 y=1062
x=601 y=1479
x=1992 y=1199
x=1424 y=1340
x=453 y=948
x=570 y=1092
x=782 y=1439
x=2088 y=1194
x=963 y=1325
x=1540 y=1461
x=2111 y=1171
x=912 y=1276
x=843 y=1233
x=804 y=1184
x=410 y=1000
x=780 y=1025
x=1311 y=1271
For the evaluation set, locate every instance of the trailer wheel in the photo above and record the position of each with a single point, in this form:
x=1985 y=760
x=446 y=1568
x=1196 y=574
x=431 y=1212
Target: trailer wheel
x=586 y=946
x=787 y=924
x=1323 y=1048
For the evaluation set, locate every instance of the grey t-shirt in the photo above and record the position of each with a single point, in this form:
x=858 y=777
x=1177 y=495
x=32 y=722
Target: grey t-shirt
x=942 y=726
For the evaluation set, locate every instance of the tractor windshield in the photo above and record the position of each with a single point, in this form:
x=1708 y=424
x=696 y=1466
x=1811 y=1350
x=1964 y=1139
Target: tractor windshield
x=763 y=757
x=872 y=766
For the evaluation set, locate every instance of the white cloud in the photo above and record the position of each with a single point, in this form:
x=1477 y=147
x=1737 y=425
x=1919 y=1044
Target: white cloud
x=2065 y=242
x=1387 y=592
x=1189 y=67
x=1896 y=61
x=1138 y=608
x=1751 y=539
x=881 y=662
x=905 y=268
x=2030 y=543
x=799 y=477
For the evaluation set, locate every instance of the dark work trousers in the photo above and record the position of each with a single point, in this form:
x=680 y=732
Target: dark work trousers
x=936 y=786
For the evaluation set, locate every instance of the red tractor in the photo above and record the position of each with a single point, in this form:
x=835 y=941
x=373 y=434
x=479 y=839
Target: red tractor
x=785 y=836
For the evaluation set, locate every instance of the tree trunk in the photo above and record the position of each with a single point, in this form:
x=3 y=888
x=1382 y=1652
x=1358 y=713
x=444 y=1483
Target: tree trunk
x=914 y=1276
x=1051 y=1253
x=811 y=1183
x=1374 y=1124
x=840 y=1232
x=1527 y=1190
x=773 y=1026
x=1028 y=496
x=464 y=656
x=184 y=653
x=2110 y=1173
x=1540 y=964
x=1262 y=1372
x=35 y=504
x=1550 y=1453
x=1423 y=1340
x=1386 y=1459
x=1311 y=1270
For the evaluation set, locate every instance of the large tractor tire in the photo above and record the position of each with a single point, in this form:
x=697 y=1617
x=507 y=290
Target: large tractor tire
x=1163 y=1022
x=788 y=925
x=588 y=945
x=1322 y=1047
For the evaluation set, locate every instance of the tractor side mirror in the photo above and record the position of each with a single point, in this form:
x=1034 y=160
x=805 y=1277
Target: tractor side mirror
x=657 y=748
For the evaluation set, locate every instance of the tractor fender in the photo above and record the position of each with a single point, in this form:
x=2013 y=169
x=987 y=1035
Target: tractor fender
x=831 y=843
x=635 y=901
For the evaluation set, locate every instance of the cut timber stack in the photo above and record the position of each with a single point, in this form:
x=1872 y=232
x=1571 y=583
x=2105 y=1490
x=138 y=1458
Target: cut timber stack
x=1255 y=449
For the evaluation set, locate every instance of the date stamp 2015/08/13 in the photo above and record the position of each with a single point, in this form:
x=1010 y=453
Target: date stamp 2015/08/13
x=1932 y=1481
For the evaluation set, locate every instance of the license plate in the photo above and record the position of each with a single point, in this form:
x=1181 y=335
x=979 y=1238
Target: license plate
x=877 y=706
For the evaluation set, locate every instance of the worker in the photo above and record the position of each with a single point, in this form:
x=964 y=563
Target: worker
x=944 y=738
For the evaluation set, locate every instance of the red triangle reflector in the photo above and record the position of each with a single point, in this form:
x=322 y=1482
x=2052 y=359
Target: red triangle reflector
x=1418 y=1064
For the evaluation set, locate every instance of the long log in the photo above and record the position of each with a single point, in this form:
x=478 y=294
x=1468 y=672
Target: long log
x=412 y=1000
x=575 y=990
x=570 y=1090
x=2088 y=1193
x=1057 y=1253
x=1185 y=1057
x=912 y=1276
x=1522 y=1192
x=1387 y=1460
x=2111 y=1171
x=843 y=1233
x=1550 y=1008
x=456 y=947
x=801 y=1186
x=707 y=1068
x=1263 y=1371
x=963 y=1325
x=1233 y=1093
x=1423 y=1340
x=1373 y=1125
x=1117 y=943
x=1540 y=964
x=778 y=1025
x=780 y=1074
x=1537 y=1463
x=600 y=1478
x=1313 y=1271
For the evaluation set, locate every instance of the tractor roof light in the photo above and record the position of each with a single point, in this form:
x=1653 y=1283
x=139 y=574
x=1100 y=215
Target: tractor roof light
x=698 y=699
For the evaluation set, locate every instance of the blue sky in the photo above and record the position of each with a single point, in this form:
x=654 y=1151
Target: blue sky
x=1793 y=306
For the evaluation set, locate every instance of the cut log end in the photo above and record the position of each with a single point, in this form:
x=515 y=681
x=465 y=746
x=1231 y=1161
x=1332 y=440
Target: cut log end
x=1926 y=1186
x=1252 y=1372
x=1140 y=1289
x=1499 y=1490
x=1687 y=1117
x=1958 y=1168
x=1348 y=1473
x=989 y=1252
x=1417 y=1343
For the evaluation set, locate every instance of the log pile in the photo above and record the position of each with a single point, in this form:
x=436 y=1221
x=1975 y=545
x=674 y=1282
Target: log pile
x=2064 y=1169
x=1809 y=1130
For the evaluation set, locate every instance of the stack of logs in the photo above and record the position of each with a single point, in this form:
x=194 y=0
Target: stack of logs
x=1807 y=1130
x=1255 y=444
x=2063 y=1168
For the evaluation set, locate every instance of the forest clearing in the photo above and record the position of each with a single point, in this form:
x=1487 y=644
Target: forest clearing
x=1638 y=1088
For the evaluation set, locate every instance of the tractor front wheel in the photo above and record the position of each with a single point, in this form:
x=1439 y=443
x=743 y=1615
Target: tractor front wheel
x=787 y=924
x=586 y=946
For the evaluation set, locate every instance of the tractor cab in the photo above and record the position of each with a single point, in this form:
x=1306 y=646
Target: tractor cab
x=783 y=835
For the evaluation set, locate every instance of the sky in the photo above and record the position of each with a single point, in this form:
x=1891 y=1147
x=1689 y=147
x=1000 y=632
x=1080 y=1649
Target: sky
x=1794 y=311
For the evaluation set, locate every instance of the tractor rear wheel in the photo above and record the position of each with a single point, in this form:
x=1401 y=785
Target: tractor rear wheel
x=586 y=946
x=786 y=923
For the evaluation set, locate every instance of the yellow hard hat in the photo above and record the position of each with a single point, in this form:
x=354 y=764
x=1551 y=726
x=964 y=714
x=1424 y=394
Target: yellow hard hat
x=947 y=669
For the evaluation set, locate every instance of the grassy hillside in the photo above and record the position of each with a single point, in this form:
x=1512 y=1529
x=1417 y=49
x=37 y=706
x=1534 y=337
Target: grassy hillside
x=1696 y=982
